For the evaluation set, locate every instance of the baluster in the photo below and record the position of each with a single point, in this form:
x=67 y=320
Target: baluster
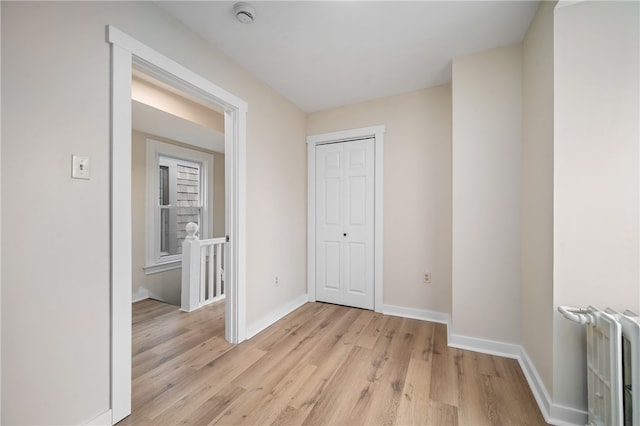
x=211 y=276
x=203 y=272
x=218 y=270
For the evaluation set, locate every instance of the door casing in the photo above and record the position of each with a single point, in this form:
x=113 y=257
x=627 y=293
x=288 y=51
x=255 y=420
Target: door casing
x=376 y=132
x=127 y=53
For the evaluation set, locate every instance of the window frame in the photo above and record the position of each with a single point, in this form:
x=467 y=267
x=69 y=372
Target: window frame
x=154 y=261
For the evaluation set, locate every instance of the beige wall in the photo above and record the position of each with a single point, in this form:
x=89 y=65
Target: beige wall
x=55 y=103
x=537 y=193
x=417 y=190
x=487 y=105
x=596 y=155
x=163 y=286
x=276 y=205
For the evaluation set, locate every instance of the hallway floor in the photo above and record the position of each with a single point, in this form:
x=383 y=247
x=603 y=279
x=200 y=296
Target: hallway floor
x=322 y=364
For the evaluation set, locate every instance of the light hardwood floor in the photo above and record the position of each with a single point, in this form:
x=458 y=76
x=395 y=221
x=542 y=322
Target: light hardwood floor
x=321 y=365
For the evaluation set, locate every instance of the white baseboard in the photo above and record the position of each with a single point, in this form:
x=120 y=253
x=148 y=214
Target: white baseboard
x=562 y=415
x=419 y=314
x=141 y=294
x=538 y=388
x=103 y=419
x=274 y=316
x=553 y=413
x=484 y=346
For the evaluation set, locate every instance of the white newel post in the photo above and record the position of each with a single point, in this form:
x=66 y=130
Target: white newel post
x=190 y=269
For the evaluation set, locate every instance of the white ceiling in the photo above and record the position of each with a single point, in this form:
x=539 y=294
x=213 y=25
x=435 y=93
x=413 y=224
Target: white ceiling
x=324 y=54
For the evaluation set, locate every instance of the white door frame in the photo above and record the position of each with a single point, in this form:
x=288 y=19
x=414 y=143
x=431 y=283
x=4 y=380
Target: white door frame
x=127 y=52
x=376 y=132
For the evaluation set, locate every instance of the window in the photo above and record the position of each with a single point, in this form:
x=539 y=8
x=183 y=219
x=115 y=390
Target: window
x=178 y=192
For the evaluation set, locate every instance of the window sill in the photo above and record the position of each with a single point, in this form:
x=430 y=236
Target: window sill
x=162 y=267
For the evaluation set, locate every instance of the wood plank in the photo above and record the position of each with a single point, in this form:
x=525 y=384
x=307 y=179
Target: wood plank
x=266 y=405
x=345 y=333
x=278 y=364
x=184 y=380
x=347 y=387
x=149 y=309
x=444 y=370
x=289 y=417
x=273 y=335
x=439 y=413
x=351 y=392
x=415 y=402
x=328 y=363
x=477 y=400
x=211 y=408
x=369 y=336
x=388 y=389
x=511 y=385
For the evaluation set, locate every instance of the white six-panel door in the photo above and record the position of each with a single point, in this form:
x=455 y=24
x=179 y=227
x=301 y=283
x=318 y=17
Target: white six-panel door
x=345 y=188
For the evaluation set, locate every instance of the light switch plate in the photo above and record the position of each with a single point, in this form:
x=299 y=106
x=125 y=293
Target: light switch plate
x=80 y=167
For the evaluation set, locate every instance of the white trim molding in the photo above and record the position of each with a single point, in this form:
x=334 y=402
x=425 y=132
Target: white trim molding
x=413 y=313
x=538 y=388
x=272 y=317
x=491 y=347
x=141 y=294
x=554 y=414
x=162 y=267
x=127 y=53
x=121 y=63
x=103 y=419
x=376 y=132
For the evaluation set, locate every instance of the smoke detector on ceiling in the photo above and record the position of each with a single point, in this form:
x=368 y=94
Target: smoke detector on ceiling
x=245 y=13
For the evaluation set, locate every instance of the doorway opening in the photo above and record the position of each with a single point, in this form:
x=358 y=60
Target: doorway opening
x=177 y=178
x=128 y=54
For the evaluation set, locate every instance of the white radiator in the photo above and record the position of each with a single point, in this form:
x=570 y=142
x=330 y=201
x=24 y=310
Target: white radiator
x=613 y=364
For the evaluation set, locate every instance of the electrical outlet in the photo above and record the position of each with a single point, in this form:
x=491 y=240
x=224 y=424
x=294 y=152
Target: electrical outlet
x=275 y=281
x=427 y=278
